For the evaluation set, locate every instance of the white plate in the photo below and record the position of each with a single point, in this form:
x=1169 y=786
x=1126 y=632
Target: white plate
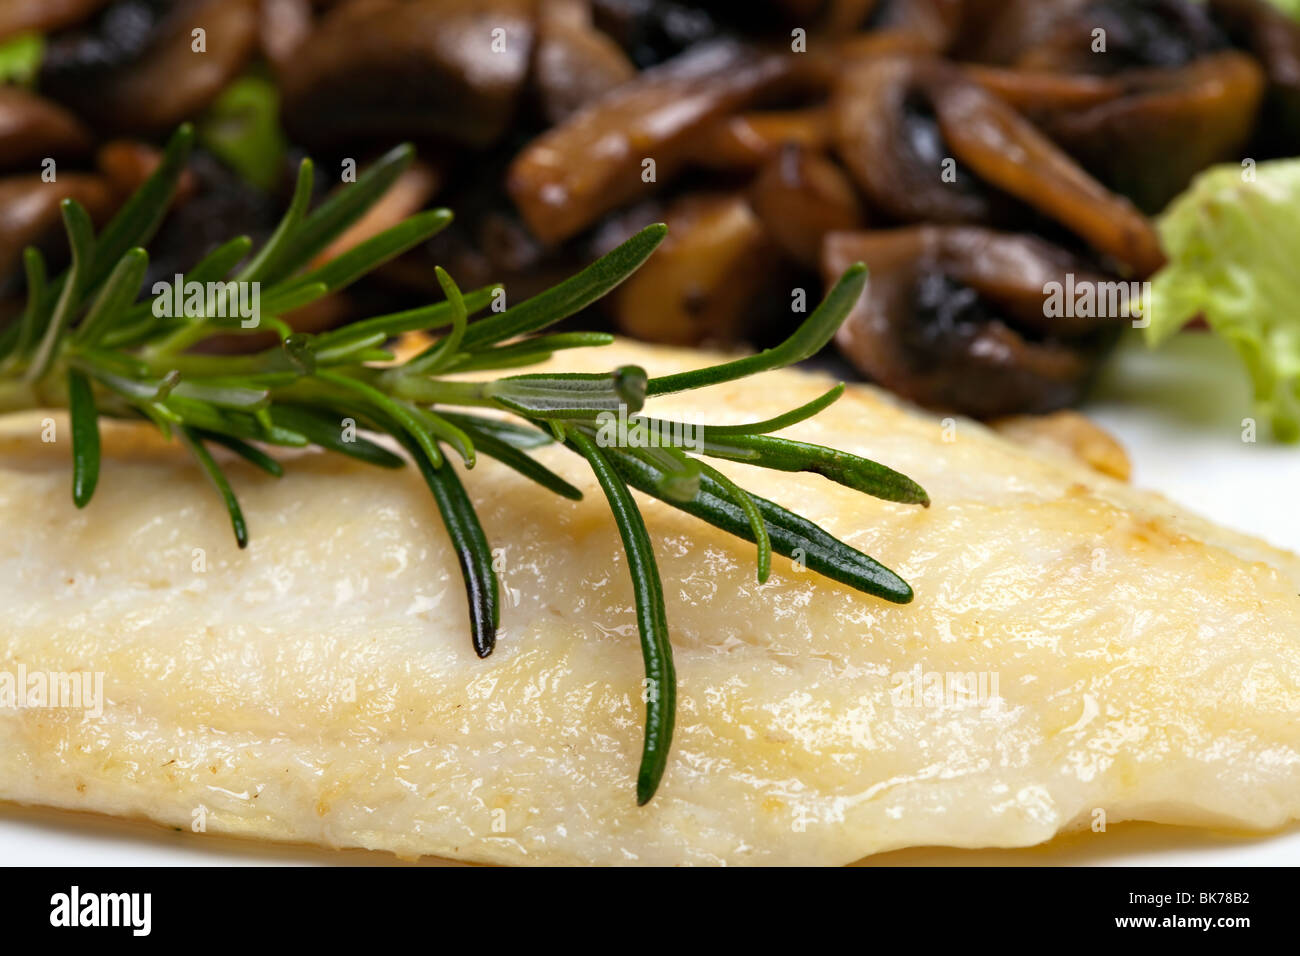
x=1179 y=413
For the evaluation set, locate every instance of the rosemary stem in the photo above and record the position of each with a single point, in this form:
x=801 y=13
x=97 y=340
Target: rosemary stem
x=178 y=341
x=428 y=391
x=209 y=365
x=86 y=344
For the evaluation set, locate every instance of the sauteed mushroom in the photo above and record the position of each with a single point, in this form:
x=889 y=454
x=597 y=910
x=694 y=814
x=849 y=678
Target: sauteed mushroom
x=135 y=66
x=1165 y=34
x=21 y=16
x=1274 y=39
x=575 y=62
x=887 y=133
x=212 y=204
x=899 y=119
x=800 y=197
x=1175 y=99
x=29 y=211
x=551 y=126
x=127 y=163
x=449 y=69
x=999 y=31
x=32 y=128
x=698 y=285
x=652 y=31
x=1165 y=126
x=744 y=141
x=954 y=318
x=283 y=25
x=568 y=177
x=916 y=25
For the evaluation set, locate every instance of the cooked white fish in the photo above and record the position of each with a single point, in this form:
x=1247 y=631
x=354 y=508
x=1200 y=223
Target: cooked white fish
x=1078 y=651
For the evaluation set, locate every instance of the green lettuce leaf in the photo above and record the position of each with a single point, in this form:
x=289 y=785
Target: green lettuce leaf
x=1233 y=242
x=20 y=58
x=1291 y=7
x=242 y=128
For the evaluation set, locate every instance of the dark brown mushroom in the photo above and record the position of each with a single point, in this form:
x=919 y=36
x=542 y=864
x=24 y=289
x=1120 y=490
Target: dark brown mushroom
x=283 y=26
x=43 y=16
x=956 y=318
x=29 y=212
x=127 y=163
x=745 y=141
x=595 y=161
x=213 y=204
x=1036 y=94
x=1161 y=34
x=1274 y=39
x=887 y=133
x=1161 y=100
x=800 y=196
x=1165 y=126
x=900 y=120
x=487 y=241
x=932 y=24
x=33 y=128
x=653 y=31
x=134 y=67
x=698 y=285
x=997 y=32
x=409 y=194
x=853 y=32
x=448 y=69
x=575 y=63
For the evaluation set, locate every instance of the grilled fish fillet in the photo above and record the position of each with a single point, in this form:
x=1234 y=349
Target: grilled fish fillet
x=1078 y=651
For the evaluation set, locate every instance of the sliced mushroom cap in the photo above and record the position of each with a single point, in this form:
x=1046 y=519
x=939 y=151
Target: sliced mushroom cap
x=1162 y=101
x=1166 y=126
x=135 y=67
x=1007 y=151
x=595 y=161
x=800 y=196
x=43 y=16
x=956 y=318
x=902 y=122
x=886 y=132
x=698 y=285
x=29 y=212
x=33 y=128
x=450 y=69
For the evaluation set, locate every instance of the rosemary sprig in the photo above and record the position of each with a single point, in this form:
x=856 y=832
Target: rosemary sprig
x=87 y=340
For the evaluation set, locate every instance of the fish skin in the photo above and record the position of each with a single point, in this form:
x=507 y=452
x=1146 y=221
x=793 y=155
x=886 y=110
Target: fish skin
x=320 y=686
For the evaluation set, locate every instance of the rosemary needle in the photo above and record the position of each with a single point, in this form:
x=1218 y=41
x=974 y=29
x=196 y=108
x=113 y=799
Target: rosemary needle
x=652 y=620
x=85 y=438
x=85 y=334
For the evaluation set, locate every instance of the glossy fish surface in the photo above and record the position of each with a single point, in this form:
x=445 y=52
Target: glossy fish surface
x=1077 y=650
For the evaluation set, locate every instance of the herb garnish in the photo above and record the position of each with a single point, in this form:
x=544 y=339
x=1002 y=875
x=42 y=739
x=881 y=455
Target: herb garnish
x=85 y=341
